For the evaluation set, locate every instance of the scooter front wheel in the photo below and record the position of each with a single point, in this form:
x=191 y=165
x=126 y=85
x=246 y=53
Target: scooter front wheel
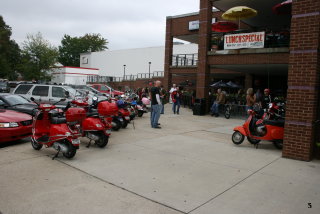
x=140 y=113
x=103 y=140
x=71 y=151
x=35 y=145
x=253 y=141
x=237 y=138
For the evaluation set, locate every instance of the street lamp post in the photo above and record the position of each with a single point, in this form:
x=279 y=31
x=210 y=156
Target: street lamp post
x=149 y=69
x=124 y=72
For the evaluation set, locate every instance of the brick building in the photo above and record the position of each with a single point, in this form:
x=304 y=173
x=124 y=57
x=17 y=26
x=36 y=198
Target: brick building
x=292 y=66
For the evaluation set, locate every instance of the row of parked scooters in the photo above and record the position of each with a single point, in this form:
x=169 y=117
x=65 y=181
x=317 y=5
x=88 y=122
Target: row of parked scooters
x=60 y=128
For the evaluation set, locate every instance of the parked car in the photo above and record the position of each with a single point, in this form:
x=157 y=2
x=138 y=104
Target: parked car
x=14 y=125
x=46 y=93
x=17 y=103
x=92 y=91
x=4 y=87
x=106 y=89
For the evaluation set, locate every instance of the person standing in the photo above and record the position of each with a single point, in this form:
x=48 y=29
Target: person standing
x=220 y=100
x=163 y=95
x=251 y=99
x=156 y=105
x=174 y=87
x=266 y=99
x=176 y=99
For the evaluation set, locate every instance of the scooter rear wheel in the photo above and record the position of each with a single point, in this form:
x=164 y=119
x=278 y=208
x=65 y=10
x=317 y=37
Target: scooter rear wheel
x=253 y=141
x=118 y=125
x=125 y=124
x=237 y=138
x=71 y=150
x=278 y=144
x=35 y=145
x=103 y=140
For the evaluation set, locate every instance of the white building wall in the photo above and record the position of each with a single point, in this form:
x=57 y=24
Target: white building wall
x=110 y=63
x=73 y=76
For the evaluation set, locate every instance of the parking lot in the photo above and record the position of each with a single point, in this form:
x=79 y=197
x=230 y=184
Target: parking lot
x=188 y=166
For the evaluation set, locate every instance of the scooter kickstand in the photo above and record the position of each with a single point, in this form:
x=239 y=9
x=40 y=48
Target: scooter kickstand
x=256 y=145
x=89 y=144
x=56 y=155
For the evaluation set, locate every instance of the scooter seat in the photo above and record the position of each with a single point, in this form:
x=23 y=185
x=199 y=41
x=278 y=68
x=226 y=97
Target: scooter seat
x=92 y=114
x=58 y=120
x=279 y=123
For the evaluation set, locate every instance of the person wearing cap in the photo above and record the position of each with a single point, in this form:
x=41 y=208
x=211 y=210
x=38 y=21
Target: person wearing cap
x=266 y=99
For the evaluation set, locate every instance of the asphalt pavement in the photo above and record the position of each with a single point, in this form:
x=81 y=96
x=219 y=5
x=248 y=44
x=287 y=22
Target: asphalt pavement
x=188 y=166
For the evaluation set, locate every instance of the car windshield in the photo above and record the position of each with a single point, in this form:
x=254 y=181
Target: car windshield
x=3 y=84
x=73 y=92
x=15 y=100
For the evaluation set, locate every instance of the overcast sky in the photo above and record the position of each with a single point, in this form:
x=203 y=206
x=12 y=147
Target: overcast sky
x=126 y=23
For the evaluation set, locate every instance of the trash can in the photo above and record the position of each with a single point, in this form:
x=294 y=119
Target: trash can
x=199 y=107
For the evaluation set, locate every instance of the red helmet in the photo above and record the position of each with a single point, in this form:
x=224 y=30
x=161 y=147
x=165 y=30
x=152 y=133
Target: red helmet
x=267 y=90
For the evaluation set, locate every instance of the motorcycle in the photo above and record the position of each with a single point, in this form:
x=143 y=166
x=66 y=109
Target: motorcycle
x=256 y=129
x=95 y=126
x=52 y=130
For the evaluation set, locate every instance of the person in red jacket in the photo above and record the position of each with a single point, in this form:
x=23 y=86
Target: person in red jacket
x=176 y=100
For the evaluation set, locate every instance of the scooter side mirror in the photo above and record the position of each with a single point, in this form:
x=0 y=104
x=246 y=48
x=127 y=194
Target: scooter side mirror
x=63 y=99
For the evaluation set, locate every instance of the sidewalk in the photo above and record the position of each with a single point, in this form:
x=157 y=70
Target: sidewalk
x=188 y=166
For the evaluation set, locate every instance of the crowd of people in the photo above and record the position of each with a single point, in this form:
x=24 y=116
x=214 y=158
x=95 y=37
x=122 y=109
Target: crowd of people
x=251 y=99
x=157 y=96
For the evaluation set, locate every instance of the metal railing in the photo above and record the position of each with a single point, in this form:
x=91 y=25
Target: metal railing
x=129 y=77
x=185 y=60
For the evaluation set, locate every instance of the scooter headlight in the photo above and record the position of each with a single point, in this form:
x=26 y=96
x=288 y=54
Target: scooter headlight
x=75 y=141
x=98 y=126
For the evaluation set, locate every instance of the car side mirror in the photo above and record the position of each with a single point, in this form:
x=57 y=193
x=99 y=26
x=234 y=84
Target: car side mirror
x=67 y=93
x=32 y=99
x=63 y=99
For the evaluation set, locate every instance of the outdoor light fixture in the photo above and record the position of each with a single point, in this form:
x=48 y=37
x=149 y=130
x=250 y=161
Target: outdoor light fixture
x=124 y=72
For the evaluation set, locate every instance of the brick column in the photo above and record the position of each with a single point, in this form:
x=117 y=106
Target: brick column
x=303 y=80
x=203 y=74
x=167 y=82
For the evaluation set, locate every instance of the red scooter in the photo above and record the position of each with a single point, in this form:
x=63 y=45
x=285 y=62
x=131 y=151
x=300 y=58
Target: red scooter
x=256 y=129
x=95 y=126
x=49 y=128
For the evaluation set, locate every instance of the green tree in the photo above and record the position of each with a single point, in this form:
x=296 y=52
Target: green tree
x=9 y=52
x=72 y=47
x=38 y=56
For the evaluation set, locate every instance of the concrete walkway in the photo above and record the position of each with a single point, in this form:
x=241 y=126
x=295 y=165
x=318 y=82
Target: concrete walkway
x=188 y=166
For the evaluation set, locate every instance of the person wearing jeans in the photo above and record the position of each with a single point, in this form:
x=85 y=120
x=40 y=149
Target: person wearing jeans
x=176 y=99
x=220 y=100
x=156 y=105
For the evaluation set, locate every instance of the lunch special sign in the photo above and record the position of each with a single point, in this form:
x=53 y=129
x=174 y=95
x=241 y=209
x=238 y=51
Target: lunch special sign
x=244 y=40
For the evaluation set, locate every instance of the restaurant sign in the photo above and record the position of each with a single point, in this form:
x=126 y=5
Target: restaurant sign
x=244 y=40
